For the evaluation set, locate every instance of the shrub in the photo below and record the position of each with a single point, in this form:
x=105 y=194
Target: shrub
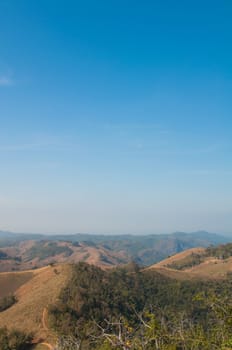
x=14 y=339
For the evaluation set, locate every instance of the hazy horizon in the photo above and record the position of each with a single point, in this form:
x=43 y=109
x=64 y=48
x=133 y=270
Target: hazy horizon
x=115 y=117
x=109 y=234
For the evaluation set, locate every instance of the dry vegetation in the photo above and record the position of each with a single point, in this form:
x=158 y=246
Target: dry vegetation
x=35 y=254
x=37 y=289
x=180 y=256
x=35 y=293
x=209 y=267
x=11 y=281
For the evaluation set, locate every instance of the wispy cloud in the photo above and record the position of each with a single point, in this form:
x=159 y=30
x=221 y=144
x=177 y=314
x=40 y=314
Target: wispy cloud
x=40 y=143
x=6 y=81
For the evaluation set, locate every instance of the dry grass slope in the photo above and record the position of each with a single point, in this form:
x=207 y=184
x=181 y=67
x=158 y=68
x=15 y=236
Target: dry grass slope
x=40 y=290
x=11 y=281
x=180 y=256
x=210 y=268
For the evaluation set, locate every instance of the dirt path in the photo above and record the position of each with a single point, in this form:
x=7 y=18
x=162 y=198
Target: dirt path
x=45 y=328
x=44 y=316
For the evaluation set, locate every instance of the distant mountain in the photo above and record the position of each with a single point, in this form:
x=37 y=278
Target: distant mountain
x=39 y=250
x=6 y=236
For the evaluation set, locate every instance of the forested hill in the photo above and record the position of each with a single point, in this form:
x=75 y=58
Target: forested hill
x=130 y=309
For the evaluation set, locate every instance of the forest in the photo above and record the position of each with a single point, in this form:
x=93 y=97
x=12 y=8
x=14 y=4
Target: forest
x=128 y=308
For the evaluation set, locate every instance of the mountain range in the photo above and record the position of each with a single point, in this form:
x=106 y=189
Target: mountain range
x=20 y=251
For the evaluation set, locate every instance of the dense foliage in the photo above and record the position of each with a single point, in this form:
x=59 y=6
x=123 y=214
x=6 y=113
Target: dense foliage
x=144 y=309
x=223 y=251
x=14 y=340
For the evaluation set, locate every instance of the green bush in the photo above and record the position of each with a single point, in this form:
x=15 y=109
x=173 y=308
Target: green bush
x=14 y=340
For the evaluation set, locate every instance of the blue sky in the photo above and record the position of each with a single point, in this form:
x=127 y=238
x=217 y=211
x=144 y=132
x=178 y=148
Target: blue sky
x=115 y=117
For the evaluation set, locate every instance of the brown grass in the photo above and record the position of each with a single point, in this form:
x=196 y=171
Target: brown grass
x=90 y=254
x=41 y=290
x=210 y=268
x=179 y=256
x=11 y=281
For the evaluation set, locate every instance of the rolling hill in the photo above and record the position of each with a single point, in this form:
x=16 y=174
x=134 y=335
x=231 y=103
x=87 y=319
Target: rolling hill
x=198 y=263
x=35 y=290
x=32 y=254
x=27 y=251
